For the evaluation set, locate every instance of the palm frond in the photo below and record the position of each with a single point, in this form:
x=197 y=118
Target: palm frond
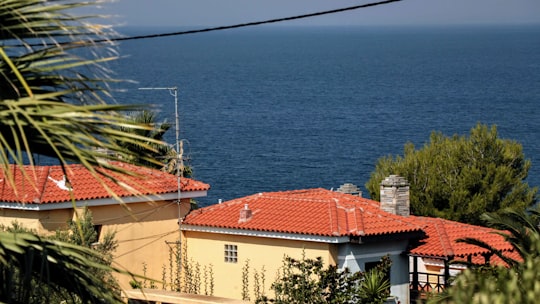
x=54 y=93
x=59 y=266
x=49 y=106
x=490 y=249
x=521 y=228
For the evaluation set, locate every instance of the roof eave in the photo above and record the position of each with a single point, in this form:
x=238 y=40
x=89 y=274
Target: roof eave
x=268 y=234
x=102 y=201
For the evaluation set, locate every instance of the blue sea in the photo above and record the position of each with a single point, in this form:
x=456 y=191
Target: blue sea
x=282 y=108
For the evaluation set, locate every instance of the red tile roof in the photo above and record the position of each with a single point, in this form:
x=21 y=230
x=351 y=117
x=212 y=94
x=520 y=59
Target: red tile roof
x=328 y=213
x=442 y=235
x=493 y=260
x=312 y=212
x=45 y=184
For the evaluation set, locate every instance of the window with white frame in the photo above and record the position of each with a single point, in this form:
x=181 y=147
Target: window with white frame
x=231 y=253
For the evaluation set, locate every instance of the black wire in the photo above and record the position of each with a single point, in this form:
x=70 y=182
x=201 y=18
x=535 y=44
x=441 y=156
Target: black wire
x=226 y=27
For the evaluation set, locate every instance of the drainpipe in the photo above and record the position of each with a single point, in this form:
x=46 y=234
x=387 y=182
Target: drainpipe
x=447 y=271
x=415 y=282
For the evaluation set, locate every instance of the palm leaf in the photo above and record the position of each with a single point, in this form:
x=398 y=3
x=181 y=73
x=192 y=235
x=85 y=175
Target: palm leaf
x=492 y=250
x=53 y=92
x=48 y=106
x=54 y=264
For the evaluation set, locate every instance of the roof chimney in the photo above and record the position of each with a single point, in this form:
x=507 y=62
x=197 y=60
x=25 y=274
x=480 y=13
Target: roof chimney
x=245 y=214
x=395 y=195
x=349 y=188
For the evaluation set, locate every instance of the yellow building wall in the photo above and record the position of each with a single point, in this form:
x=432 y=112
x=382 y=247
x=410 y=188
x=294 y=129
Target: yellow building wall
x=43 y=222
x=144 y=232
x=259 y=254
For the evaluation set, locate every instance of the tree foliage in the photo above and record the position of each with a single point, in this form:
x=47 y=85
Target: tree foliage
x=496 y=285
x=164 y=157
x=53 y=102
x=520 y=228
x=35 y=269
x=156 y=131
x=308 y=281
x=516 y=282
x=83 y=232
x=461 y=177
x=54 y=91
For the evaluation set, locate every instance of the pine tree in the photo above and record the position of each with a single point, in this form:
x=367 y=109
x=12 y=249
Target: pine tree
x=461 y=177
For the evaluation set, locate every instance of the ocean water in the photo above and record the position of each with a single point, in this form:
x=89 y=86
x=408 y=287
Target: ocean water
x=283 y=108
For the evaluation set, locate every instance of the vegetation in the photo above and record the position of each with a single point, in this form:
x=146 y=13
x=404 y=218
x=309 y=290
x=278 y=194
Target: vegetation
x=461 y=177
x=184 y=274
x=53 y=93
x=83 y=232
x=496 y=285
x=156 y=131
x=164 y=157
x=516 y=282
x=519 y=228
x=47 y=105
x=258 y=281
x=34 y=268
x=80 y=232
x=307 y=281
x=245 y=281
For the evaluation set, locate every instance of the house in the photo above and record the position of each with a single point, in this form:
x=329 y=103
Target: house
x=252 y=234
x=432 y=258
x=146 y=223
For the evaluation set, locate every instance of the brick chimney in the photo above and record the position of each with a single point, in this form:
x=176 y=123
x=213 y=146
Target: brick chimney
x=395 y=195
x=245 y=214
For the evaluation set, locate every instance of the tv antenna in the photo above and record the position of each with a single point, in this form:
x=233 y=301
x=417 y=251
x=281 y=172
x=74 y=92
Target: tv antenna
x=179 y=146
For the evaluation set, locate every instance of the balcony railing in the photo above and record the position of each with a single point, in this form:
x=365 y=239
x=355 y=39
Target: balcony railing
x=424 y=282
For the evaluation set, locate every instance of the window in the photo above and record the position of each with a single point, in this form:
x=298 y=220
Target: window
x=370 y=265
x=97 y=229
x=231 y=253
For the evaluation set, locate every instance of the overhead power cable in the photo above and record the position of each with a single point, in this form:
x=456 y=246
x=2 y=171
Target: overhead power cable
x=226 y=27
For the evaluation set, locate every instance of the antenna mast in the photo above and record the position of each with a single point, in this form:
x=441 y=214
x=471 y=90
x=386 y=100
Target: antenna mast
x=179 y=146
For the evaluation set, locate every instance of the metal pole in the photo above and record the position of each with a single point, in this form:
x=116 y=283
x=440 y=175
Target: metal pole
x=179 y=149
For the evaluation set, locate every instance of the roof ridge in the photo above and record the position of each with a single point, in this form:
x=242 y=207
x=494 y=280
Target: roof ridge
x=331 y=221
x=44 y=184
x=322 y=200
x=443 y=237
x=359 y=218
x=352 y=225
x=349 y=210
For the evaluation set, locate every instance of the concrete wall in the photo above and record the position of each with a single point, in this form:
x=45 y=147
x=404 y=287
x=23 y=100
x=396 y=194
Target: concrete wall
x=355 y=257
x=208 y=248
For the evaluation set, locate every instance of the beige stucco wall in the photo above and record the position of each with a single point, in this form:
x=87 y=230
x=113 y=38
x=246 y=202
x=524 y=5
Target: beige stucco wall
x=208 y=249
x=144 y=234
x=142 y=231
x=43 y=222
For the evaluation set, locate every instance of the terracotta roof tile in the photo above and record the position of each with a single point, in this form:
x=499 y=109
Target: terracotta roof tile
x=313 y=212
x=442 y=235
x=46 y=184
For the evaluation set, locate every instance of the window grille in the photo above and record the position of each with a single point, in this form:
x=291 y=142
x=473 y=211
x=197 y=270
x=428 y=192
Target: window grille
x=231 y=253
